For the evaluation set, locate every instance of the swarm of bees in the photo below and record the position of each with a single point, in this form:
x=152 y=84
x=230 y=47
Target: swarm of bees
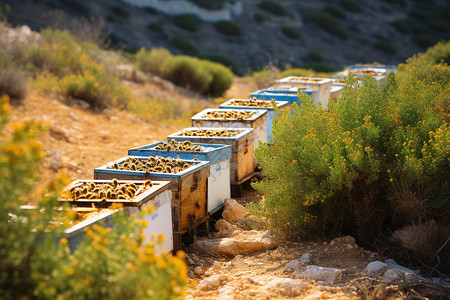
x=210 y=132
x=252 y=102
x=235 y=114
x=152 y=164
x=180 y=146
x=110 y=190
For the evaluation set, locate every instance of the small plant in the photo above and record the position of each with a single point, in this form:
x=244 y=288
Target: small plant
x=290 y=32
x=184 y=44
x=110 y=18
x=424 y=39
x=315 y=56
x=259 y=17
x=210 y=4
x=228 y=28
x=385 y=46
x=335 y=10
x=13 y=82
x=153 y=60
x=155 y=26
x=266 y=77
x=350 y=5
x=329 y=23
x=224 y=60
x=186 y=21
x=273 y=7
x=120 y=11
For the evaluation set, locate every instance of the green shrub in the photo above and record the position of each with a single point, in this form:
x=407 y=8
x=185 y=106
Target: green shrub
x=351 y=5
x=120 y=11
x=398 y=2
x=318 y=66
x=228 y=28
x=315 y=56
x=302 y=72
x=186 y=21
x=409 y=25
x=222 y=78
x=210 y=4
x=152 y=61
x=265 y=77
x=201 y=76
x=184 y=44
x=424 y=39
x=155 y=26
x=385 y=46
x=13 y=82
x=35 y=266
x=329 y=23
x=335 y=10
x=438 y=54
x=290 y=32
x=224 y=60
x=355 y=167
x=110 y=18
x=273 y=7
x=259 y=17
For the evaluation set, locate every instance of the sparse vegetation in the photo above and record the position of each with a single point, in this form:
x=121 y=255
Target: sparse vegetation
x=329 y=23
x=13 y=82
x=350 y=5
x=259 y=17
x=153 y=60
x=187 y=22
x=228 y=28
x=210 y=4
x=424 y=39
x=385 y=46
x=335 y=10
x=155 y=26
x=273 y=7
x=184 y=44
x=224 y=60
x=315 y=56
x=120 y=11
x=290 y=32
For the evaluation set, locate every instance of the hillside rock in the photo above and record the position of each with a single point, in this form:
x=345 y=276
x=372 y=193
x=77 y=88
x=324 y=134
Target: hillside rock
x=233 y=212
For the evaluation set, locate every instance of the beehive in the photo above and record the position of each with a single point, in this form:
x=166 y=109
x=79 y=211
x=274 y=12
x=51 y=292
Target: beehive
x=219 y=158
x=266 y=105
x=159 y=221
x=189 y=192
x=217 y=118
x=323 y=85
x=241 y=142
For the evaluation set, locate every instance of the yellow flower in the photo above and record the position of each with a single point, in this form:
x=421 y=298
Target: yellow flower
x=70 y=271
x=63 y=241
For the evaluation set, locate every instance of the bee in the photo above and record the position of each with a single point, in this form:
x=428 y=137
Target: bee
x=91 y=196
x=115 y=182
x=148 y=183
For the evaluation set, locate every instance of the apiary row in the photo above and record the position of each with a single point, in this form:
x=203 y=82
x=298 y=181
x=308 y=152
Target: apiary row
x=188 y=177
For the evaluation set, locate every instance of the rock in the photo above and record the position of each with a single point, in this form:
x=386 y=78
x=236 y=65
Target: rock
x=60 y=133
x=198 y=270
x=415 y=237
x=55 y=162
x=213 y=282
x=291 y=287
x=233 y=211
x=83 y=104
x=393 y=275
x=190 y=274
x=73 y=116
x=376 y=268
x=226 y=293
x=327 y=275
x=344 y=240
x=306 y=258
x=244 y=242
x=293 y=265
x=225 y=228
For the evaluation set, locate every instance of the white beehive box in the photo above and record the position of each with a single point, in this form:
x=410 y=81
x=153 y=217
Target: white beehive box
x=323 y=85
x=258 y=121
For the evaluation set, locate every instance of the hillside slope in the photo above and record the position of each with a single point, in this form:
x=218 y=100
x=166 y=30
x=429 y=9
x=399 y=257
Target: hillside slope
x=261 y=43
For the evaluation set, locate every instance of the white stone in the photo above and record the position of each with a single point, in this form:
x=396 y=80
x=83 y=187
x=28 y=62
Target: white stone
x=327 y=275
x=213 y=282
x=198 y=270
x=291 y=287
x=293 y=265
x=376 y=268
x=393 y=275
x=233 y=212
x=306 y=258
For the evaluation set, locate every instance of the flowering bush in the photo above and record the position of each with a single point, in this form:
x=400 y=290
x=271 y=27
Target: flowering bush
x=109 y=264
x=378 y=159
